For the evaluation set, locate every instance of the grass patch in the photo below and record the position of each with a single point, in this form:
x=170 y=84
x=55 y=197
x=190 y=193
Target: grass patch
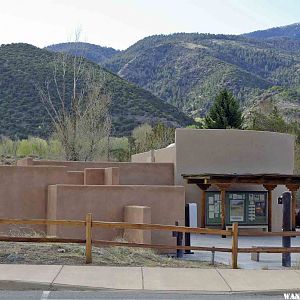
x=74 y=254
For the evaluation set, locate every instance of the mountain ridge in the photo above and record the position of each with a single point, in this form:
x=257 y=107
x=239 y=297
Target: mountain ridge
x=92 y=52
x=288 y=31
x=22 y=113
x=187 y=70
x=200 y=65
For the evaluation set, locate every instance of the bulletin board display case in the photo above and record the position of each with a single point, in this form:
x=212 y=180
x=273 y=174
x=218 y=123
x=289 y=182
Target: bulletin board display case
x=246 y=208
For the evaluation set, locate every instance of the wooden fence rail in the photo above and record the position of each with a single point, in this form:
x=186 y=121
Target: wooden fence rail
x=123 y=225
x=42 y=222
x=89 y=224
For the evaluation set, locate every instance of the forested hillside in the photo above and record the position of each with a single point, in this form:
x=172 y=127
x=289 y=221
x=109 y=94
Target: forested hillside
x=290 y=31
x=186 y=70
x=189 y=69
x=94 y=53
x=23 y=66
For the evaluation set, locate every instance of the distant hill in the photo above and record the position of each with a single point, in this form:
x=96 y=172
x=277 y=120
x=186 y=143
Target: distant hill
x=290 y=31
x=189 y=69
x=21 y=111
x=94 y=53
x=286 y=100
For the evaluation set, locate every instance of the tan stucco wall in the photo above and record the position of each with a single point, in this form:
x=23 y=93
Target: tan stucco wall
x=76 y=177
x=94 y=176
x=143 y=157
x=23 y=190
x=112 y=176
x=107 y=204
x=233 y=151
x=140 y=215
x=130 y=173
x=165 y=155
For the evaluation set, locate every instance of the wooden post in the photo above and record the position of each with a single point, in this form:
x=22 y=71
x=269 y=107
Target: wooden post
x=293 y=189
x=223 y=187
x=270 y=188
x=203 y=208
x=223 y=209
x=88 y=238
x=203 y=188
x=235 y=236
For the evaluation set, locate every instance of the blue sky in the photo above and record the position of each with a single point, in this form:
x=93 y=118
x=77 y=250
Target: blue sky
x=120 y=23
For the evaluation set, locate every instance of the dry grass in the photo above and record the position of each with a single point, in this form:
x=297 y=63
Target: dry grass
x=74 y=254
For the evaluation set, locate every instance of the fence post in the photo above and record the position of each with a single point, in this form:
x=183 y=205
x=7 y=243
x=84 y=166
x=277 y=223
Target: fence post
x=88 y=238
x=213 y=255
x=235 y=236
x=286 y=226
x=179 y=238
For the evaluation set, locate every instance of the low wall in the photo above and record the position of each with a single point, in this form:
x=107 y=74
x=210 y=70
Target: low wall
x=143 y=157
x=23 y=190
x=165 y=155
x=107 y=203
x=130 y=173
x=101 y=176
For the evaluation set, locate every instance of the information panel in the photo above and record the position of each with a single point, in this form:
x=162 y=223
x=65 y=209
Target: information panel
x=247 y=208
x=257 y=208
x=213 y=208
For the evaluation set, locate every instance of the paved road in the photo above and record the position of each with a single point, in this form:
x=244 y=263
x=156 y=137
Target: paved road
x=64 y=295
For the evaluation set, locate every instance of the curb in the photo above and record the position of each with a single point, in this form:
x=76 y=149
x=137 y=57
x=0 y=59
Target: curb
x=14 y=285
x=11 y=285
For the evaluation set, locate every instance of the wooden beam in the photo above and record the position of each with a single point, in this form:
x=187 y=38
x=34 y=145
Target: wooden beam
x=293 y=188
x=269 y=250
x=43 y=222
x=264 y=233
x=143 y=226
x=203 y=188
x=159 y=246
x=223 y=187
x=40 y=239
x=270 y=188
x=269 y=179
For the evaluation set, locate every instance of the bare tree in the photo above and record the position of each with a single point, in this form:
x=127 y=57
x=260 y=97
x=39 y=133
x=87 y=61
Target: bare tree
x=77 y=102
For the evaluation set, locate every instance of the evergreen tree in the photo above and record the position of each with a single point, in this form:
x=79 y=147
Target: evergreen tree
x=224 y=113
x=273 y=121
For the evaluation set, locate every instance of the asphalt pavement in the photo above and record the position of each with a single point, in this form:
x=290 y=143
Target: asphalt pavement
x=126 y=295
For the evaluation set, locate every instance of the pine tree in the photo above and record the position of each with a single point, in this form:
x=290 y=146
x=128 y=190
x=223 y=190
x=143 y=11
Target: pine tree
x=224 y=113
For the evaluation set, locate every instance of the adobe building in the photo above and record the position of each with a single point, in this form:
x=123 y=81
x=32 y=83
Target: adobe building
x=232 y=175
x=111 y=191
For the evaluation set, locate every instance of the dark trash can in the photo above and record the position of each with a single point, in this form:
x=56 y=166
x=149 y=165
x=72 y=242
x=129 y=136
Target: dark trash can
x=298 y=219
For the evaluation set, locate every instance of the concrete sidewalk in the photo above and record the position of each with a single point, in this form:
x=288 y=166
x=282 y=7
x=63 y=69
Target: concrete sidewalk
x=269 y=261
x=55 y=277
